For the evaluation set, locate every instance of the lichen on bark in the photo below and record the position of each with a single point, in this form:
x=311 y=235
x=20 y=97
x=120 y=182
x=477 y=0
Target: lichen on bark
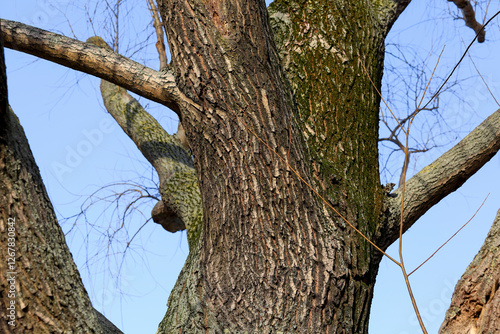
x=181 y=201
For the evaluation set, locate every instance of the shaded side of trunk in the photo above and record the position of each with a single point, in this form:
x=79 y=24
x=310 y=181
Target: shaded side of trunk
x=40 y=288
x=475 y=303
x=332 y=53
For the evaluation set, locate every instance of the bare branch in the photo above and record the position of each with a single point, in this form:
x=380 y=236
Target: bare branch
x=470 y=18
x=101 y=62
x=117 y=17
x=180 y=207
x=160 y=44
x=442 y=177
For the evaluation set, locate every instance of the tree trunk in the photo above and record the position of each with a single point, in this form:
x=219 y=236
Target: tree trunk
x=283 y=132
x=272 y=258
x=476 y=301
x=40 y=288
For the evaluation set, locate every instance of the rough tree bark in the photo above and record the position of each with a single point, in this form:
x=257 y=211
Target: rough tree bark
x=262 y=99
x=40 y=287
x=476 y=300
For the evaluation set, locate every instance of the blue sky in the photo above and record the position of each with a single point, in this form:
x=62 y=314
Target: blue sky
x=79 y=149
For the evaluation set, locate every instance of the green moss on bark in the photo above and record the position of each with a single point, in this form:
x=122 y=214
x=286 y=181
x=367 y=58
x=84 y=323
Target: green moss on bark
x=323 y=47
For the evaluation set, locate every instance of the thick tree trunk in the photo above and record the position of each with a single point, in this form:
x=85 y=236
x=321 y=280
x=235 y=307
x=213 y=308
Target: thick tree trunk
x=40 y=287
x=270 y=255
x=330 y=63
x=272 y=259
x=475 y=303
x=262 y=260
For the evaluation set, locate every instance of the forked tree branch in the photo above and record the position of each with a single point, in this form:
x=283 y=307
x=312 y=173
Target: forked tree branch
x=442 y=177
x=100 y=62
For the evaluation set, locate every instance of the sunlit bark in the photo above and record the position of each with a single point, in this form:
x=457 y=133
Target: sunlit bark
x=277 y=111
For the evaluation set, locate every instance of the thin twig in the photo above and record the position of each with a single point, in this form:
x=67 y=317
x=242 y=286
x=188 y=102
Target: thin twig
x=117 y=15
x=403 y=178
x=486 y=11
x=487 y=87
x=454 y=234
x=461 y=58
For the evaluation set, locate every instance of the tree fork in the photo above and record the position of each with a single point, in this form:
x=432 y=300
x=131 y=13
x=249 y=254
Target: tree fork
x=271 y=258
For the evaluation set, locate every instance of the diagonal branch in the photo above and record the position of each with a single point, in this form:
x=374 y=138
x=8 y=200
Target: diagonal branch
x=180 y=207
x=470 y=18
x=107 y=326
x=101 y=62
x=400 y=6
x=442 y=177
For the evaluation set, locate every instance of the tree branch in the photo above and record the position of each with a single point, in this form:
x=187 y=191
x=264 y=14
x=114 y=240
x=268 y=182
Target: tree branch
x=476 y=300
x=26 y=209
x=442 y=177
x=470 y=18
x=160 y=43
x=107 y=326
x=400 y=6
x=181 y=201
x=101 y=62
x=180 y=207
